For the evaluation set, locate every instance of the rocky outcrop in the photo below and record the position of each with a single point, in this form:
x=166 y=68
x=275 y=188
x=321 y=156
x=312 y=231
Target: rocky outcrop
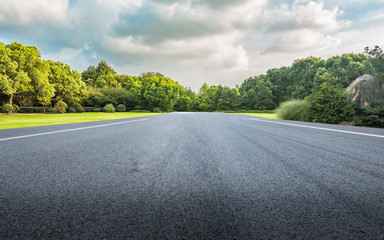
x=366 y=90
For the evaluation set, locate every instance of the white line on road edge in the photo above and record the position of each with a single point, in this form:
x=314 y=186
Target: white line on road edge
x=71 y=130
x=326 y=129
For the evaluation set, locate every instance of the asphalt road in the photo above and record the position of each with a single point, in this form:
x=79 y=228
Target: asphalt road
x=192 y=176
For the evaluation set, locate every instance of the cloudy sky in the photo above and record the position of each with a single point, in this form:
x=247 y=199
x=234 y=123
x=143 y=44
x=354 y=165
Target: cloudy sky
x=192 y=41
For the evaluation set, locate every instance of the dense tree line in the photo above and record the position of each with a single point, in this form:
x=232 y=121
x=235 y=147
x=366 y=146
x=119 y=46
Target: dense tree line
x=28 y=80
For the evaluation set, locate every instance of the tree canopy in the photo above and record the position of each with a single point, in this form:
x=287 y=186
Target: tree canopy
x=28 y=80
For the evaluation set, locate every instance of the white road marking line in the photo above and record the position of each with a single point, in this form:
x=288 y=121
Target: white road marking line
x=71 y=130
x=320 y=128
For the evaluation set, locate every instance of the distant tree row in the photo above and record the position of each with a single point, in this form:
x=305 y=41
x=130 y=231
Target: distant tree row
x=28 y=80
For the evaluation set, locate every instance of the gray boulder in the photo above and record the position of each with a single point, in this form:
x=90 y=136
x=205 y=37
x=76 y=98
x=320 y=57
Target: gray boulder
x=366 y=90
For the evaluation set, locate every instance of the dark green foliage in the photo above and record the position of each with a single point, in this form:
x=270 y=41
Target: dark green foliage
x=61 y=107
x=77 y=106
x=98 y=110
x=297 y=110
x=33 y=110
x=71 y=110
x=7 y=108
x=109 y=108
x=16 y=108
x=156 y=110
x=204 y=107
x=52 y=110
x=329 y=104
x=374 y=116
x=102 y=96
x=184 y=104
x=104 y=69
x=263 y=96
x=121 y=108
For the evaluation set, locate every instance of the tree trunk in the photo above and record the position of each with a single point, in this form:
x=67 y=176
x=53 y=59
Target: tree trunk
x=11 y=99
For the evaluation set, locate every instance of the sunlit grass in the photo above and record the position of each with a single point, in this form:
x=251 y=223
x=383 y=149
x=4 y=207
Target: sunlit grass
x=262 y=115
x=20 y=121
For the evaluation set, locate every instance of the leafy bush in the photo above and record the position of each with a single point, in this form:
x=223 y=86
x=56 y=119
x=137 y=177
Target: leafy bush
x=98 y=110
x=109 y=108
x=61 y=106
x=102 y=96
x=52 y=110
x=329 y=104
x=33 y=110
x=204 y=107
x=78 y=108
x=156 y=110
x=7 y=108
x=71 y=110
x=121 y=108
x=374 y=116
x=15 y=108
x=297 y=110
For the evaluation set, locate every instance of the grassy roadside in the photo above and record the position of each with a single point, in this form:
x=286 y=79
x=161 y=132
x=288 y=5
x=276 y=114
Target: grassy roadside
x=262 y=115
x=20 y=121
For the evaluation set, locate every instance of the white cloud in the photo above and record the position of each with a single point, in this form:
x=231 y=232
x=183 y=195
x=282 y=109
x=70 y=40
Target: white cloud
x=304 y=26
x=303 y=40
x=303 y=14
x=20 y=13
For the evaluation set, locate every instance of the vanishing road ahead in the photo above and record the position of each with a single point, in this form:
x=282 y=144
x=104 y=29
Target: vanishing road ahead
x=192 y=176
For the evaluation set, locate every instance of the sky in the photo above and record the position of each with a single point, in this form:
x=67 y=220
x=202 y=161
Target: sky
x=192 y=41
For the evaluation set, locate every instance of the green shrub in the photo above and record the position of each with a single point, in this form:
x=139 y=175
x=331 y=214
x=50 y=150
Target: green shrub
x=61 y=106
x=52 y=110
x=121 y=108
x=109 y=108
x=329 y=104
x=156 y=110
x=98 y=110
x=78 y=108
x=297 y=110
x=374 y=116
x=15 y=108
x=7 y=108
x=204 y=107
x=71 y=110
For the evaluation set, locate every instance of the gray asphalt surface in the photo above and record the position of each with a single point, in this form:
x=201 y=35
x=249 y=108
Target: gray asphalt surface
x=192 y=176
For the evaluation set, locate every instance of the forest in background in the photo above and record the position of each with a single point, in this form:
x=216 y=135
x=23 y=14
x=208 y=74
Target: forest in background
x=26 y=80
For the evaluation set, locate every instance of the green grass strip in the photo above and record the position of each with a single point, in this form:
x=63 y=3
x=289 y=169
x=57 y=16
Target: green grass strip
x=21 y=121
x=262 y=115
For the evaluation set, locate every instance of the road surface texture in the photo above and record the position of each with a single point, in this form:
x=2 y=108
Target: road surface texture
x=192 y=176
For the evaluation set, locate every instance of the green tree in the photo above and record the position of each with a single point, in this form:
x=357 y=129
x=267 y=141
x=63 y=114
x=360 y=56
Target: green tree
x=108 y=80
x=89 y=76
x=104 y=69
x=329 y=104
x=67 y=83
x=376 y=58
x=263 y=96
x=159 y=92
x=23 y=72
x=184 y=104
x=92 y=73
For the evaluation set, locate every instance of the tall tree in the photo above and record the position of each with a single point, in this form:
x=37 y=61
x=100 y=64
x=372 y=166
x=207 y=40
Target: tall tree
x=67 y=83
x=23 y=71
x=104 y=69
